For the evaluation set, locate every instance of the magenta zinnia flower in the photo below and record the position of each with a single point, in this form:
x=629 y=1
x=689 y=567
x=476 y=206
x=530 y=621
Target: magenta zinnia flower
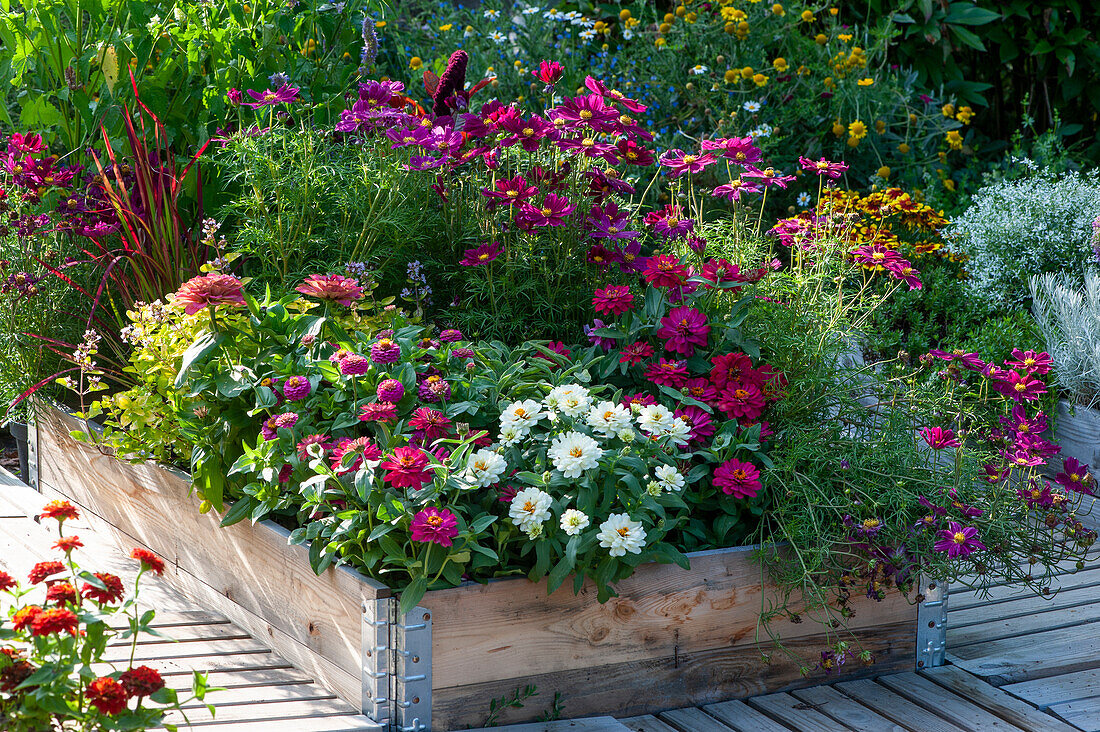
x=354 y=365
x=407 y=468
x=702 y=426
x=434 y=526
x=209 y=290
x=450 y=335
x=378 y=412
x=295 y=388
x=635 y=353
x=385 y=351
x=683 y=329
x=939 y=438
x=431 y=422
x=665 y=270
x=667 y=373
x=285 y=94
x=738 y=479
x=613 y=300
x=958 y=540
x=361 y=448
x=272 y=425
x=331 y=287
x=434 y=389
x=741 y=401
x=480 y=255
x=390 y=390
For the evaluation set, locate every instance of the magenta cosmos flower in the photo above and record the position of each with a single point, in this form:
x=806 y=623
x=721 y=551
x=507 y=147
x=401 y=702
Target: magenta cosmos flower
x=823 y=167
x=679 y=163
x=738 y=479
x=209 y=290
x=684 y=329
x=613 y=300
x=332 y=288
x=1032 y=362
x=958 y=540
x=285 y=94
x=509 y=191
x=734 y=190
x=1019 y=387
x=407 y=468
x=670 y=221
x=480 y=255
x=434 y=526
x=939 y=438
x=552 y=212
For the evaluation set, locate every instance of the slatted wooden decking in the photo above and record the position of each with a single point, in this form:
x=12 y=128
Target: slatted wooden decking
x=262 y=691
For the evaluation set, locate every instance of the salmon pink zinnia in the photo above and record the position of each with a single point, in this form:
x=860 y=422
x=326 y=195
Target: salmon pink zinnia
x=209 y=290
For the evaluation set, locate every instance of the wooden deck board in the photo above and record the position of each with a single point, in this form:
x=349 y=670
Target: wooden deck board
x=1083 y=714
x=646 y=723
x=845 y=710
x=998 y=702
x=1058 y=689
x=589 y=724
x=1015 y=627
x=740 y=716
x=795 y=714
x=896 y=708
x=944 y=703
x=694 y=720
x=1033 y=656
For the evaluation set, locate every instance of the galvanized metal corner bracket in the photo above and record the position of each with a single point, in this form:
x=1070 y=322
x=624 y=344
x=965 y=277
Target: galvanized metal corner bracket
x=397 y=666
x=932 y=624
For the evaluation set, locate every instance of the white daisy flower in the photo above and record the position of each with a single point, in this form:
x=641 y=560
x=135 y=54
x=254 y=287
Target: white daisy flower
x=609 y=418
x=571 y=399
x=498 y=37
x=573 y=453
x=698 y=70
x=574 y=522
x=655 y=418
x=751 y=106
x=621 y=535
x=485 y=467
x=588 y=34
x=669 y=478
x=530 y=10
x=628 y=34
x=523 y=415
x=761 y=131
x=492 y=14
x=530 y=506
x=803 y=199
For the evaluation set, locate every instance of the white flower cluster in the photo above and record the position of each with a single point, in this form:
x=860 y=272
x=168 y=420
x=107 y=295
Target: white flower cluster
x=1017 y=228
x=618 y=534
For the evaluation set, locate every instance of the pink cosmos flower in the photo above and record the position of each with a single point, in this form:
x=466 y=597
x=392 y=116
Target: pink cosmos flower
x=740 y=150
x=613 y=95
x=552 y=212
x=635 y=353
x=20 y=143
x=969 y=361
x=509 y=191
x=633 y=153
x=679 y=163
x=684 y=329
x=332 y=287
x=738 y=479
x=434 y=526
x=1032 y=362
x=613 y=300
x=734 y=190
x=296 y=388
x=665 y=270
x=609 y=222
x=768 y=176
x=480 y=255
x=209 y=290
x=587 y=111
x=1019 y=387
x=667 y=373
x=958 y=540
x=1075 y=477
x=549 y=72
x=285 y=94
x=939 y=438
x=407 y=468
x=823 y=167
x=670 y=221
x=601 y=256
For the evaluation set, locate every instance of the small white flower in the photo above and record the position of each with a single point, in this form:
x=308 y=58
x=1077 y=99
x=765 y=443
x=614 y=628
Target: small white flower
x=609 y=418
x=803 y=199
x=498 y=37
x=698 y=70
x=626 y=435
x=655 y=419
x=653 y=488
x=628 y=34
x=572 y=399
x=530 y=10
x=529 y=507
x=522 y=415
x=588 y=34
x=485 y=467
x=669 y=478
x=574 y=522
x=573 y=453
x=751 y=107
x=534 y=531
x=761 y=131
x=621 y=535
x=511 y=435
x=492 y=14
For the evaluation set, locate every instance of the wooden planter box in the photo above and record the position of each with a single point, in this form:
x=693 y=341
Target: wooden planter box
x=672 y=638
x=1078 y=434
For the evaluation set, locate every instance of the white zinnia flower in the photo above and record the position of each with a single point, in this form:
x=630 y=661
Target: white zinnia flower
x=485 y=467
x=534 y=531
x=572 y=399
x=621 y=535
x=655 y=419
x=574 y=522
x=626 y=435
x=669 y=478
x=511 y=435
x=679 y=432
x=573 y=453
x=522 y=415
x=609 y=418
x=530 y=506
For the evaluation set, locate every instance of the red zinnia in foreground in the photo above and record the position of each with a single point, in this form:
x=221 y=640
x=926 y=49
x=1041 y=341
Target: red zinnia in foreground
x=42 y=570
x=148 y=560
x=436 y=526
x=59 y=510
x=613 y=300
x=738 y=479
x=54 y=620
x=107 y=695
x=208 y=290
x=111 y=591
x=141 y=681
x=407 y=468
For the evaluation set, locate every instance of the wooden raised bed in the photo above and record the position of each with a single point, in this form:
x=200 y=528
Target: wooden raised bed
x=672 y=638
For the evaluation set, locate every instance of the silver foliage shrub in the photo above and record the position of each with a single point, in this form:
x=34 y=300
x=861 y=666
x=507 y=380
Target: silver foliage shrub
x=1069 y=319
x=1017 y=228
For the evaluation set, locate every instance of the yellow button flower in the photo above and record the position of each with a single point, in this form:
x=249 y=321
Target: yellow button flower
x=415 y=63
x=839 y=129
x=866 y=82
x=948 y=110
x=778 y=10
x=780 y=64
x=884 y=172
x=954 y=139
x=903 y=148
x=760 y=80
x=821 y=39
x=747 y=72
x=807 y=16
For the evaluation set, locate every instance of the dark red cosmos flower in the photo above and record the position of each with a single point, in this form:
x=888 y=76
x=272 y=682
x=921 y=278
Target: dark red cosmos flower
x=407 y=468
x=141 y=681
x=107 y=695
x=613 y=300
x=480 y=255
x=42 y=570
x=633 y=153
x=209 y=290
x=552 y=212
x=112 y=592
x=665 y=270
x=509 y=191
x=635 y=353
x=601 y=256
x=939 y=438
x=59 y=510
x=609 y=222
x=148 y=560
x=54 y=620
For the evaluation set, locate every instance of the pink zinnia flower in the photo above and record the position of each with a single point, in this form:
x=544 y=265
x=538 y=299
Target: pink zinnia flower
x=665 y=270
x=480 y=255
x=306 y=447
x=385 y=351
x=702 y=426
x=451 y=335
x=741 y=401
x=296 y=388
x=354 y=365
x=667 y=373
x=209 y=290
x=390 y=390
x=434 y=389
x=613 y=300
x=407 y=468
x=272 y=425
x=331 y=287
x=431 y=422
x=641 y=399
x=720 y=272
x=434 y=526
x=378 y=412
x=635 y=353
x=939 y=438
x=958 y=540
x=823 y=167
x=361 y=448
x=738 y=479
x=684 y=329
x=700 y=389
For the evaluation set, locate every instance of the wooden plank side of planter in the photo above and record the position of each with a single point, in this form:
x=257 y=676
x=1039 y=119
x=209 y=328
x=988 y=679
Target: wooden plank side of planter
x=653 y=685
x=248 y=572
x=494 y=632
